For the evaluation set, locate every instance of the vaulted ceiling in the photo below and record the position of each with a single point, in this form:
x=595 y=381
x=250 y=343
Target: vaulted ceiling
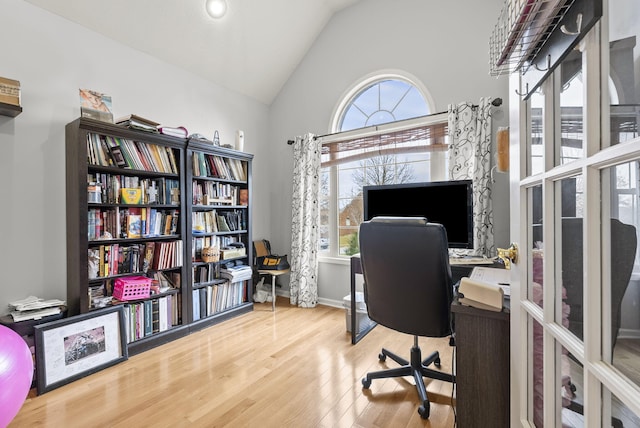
x=253 y=49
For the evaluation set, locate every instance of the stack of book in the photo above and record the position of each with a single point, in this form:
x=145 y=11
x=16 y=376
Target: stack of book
x=136 y=122
x=34 y=308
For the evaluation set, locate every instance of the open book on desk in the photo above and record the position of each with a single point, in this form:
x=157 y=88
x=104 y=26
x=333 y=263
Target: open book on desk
x=470 y=261
x=485 y=288
x=495 y=276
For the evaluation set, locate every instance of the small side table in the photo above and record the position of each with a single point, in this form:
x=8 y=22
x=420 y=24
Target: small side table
x=273 y=274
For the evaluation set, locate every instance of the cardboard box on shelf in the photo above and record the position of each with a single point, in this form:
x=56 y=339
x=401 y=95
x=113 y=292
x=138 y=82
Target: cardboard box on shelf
x=9 y=91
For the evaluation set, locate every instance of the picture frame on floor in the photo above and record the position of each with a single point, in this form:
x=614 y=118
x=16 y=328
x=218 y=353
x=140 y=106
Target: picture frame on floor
x=74 y=347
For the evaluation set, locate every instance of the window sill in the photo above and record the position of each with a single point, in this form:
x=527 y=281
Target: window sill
x=346 y=261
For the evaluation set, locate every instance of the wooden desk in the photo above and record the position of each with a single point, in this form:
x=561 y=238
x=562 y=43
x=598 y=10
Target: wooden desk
x=482 y=366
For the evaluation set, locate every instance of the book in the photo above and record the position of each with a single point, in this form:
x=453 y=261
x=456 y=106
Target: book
x=243 y=197
x=148 y=315
x=179 y=131
x=138 y=122
x=130 y=196
x=148 y=256
x=196 y=304
x=163 y=314
x=495 y=276
x=155 y=316
x=95 y=105
x=134 y=226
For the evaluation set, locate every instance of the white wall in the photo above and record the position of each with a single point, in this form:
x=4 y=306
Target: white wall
x=443 y=44
x=52 y=58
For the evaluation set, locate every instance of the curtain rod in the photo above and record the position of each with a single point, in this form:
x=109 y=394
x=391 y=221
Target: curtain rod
x=496 y=102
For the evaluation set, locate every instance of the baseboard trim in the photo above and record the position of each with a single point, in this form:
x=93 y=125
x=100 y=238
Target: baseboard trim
x=321 y=301
x=627 y=333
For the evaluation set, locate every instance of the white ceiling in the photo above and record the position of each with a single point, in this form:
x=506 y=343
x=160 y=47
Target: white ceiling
x=253 y=49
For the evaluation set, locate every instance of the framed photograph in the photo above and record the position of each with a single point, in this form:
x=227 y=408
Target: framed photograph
x=71 y=348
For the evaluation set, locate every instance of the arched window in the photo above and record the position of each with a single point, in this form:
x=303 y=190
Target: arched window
x=383 y=101
x=360 y=152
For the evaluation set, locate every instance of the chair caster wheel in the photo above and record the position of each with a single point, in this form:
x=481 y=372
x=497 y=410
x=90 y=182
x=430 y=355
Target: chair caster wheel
x=423 y=410
x=366 y=383
x=436 y=362
x=382 y=357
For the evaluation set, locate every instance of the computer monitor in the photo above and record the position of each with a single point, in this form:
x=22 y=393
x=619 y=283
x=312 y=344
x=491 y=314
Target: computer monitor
x=449 y=203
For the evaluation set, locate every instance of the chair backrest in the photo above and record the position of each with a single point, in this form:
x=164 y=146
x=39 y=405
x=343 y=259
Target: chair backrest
x=407 y=277
x=623 y=254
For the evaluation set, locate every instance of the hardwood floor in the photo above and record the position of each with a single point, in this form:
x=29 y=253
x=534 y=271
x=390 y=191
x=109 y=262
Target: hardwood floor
x=292 y=368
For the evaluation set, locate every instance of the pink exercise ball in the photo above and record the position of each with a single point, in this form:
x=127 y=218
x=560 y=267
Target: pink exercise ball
x=16 y=374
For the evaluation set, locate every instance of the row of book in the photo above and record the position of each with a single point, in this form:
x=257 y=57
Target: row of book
x=205 y=273
x=214 y=299
x=107 y=150
x=229 y=221
x=200 y=242
x=205 y=165
x=120 y=223
x=164 y=191
x=214 y=193
x=218 y=221
x=152 y=316
x=115 y=259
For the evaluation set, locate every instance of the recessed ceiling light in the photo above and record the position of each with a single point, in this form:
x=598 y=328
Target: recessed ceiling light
x=216 y=8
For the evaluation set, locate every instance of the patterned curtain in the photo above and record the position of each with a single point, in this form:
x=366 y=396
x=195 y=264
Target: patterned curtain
x=470 y=158
x=303 y=282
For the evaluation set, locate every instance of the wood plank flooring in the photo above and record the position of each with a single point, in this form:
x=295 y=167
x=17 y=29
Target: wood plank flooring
x=292 y=368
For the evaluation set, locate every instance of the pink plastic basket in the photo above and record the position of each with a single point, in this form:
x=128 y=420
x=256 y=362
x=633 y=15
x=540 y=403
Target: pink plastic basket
x=132 y=288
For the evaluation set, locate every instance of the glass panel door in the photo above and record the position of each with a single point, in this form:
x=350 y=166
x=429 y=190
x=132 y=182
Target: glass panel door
x=576 y=191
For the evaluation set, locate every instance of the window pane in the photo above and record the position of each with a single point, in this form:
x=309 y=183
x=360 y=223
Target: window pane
x=347 y=186
x=621 y=319
x=571 y=111
x=624 y=73
x=536 y=368
x=536 y=230
x=323 y=200
x=570 y=230
x=412 y=103
x=385 y=101
x=571 y=390
x=621 y=415
x=536 y=147
x=350 y=210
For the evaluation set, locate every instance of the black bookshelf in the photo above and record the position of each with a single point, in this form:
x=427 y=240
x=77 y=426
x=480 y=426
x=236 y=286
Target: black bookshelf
x=213 y=193
x=81 y=167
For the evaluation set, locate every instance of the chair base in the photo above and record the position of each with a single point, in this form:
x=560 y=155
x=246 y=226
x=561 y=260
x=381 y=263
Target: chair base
x=417 y=367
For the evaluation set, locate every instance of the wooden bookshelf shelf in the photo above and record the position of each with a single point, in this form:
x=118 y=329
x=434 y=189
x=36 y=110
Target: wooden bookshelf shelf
x=9 y=110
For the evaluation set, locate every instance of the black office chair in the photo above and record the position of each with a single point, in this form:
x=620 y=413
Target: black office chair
x=408 y=288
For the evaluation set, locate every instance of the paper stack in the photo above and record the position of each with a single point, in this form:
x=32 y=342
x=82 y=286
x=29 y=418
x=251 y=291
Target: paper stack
x=237 y=273
x=34 y=308
x=137 y=122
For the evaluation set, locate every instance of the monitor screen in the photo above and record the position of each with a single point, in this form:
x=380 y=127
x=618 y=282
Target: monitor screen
x=449 y=203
